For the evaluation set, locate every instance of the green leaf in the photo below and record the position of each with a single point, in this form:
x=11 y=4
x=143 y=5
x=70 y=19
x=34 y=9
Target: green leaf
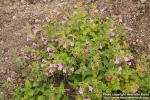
x=27 y=84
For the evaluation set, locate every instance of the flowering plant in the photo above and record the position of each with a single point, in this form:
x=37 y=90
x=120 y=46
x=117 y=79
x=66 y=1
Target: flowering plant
x=84 y=54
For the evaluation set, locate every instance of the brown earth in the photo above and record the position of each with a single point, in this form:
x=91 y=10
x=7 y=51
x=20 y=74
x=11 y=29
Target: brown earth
x=16 y=16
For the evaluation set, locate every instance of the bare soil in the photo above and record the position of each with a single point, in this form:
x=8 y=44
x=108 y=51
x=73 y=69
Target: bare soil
x=16 y=16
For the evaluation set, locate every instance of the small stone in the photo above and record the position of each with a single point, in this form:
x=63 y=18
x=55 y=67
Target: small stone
x=143 y=1
x=22 y=1
x=2 y=51
x=14 y=17
x=37 y=21
x=1 y=42
x=6 y=58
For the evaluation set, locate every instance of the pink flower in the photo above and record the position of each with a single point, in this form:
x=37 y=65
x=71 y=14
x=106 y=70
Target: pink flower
x=129 y=63
x=51 y=65
x=86 y=50
x=90 y=88
x=42 y=38
x=55 y=65
x=47 y=19
x=130 y=29
x=56 y=13
x=65 y=46
x=126 y=59
x=57 y=40
x=81 y=90
x=102 y=10
x=112 y=34
x=72 y=44
x=60 y=67
x=35 y=29
x=51 y=71
x=49 y=49
x=33 y=44
x=117 y=61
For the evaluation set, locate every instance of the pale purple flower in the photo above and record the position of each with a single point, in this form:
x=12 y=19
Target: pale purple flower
x=56 y=13
x=33 y=44
x=49 y=49
x=51 y=71
x=117 y=61
x=57 y=40
x=72 y=44
x=51 y=65
x=129 y=63
x=42 y=38
x=81 y=90
x=47 y=19
x=35 y=29
x=102 y=10
x=55 y=65
x=90 y=88
x=112 y=34
x=65 y=46
x=60 y=67
x=126 y=59
x=130 y=29
x=86 y=50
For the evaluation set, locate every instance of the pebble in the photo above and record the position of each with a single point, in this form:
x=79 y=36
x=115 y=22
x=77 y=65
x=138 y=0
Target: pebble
x=1 y=42
x=22 y=1
x=37 y=21
x=143 y=1
x=14 y=17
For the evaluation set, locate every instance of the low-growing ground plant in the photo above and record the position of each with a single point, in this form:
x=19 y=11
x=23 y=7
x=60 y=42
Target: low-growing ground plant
x=80 y=55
